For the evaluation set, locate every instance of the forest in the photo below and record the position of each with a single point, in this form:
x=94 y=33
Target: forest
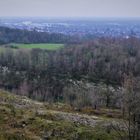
x=9 y=35
x=100 y=73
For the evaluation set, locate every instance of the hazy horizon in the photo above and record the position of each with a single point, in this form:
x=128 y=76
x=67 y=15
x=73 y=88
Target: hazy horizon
x=70 y=8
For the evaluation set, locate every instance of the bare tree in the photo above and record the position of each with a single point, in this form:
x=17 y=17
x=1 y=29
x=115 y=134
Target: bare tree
x=129 y=128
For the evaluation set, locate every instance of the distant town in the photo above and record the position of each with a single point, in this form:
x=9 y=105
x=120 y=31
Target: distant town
x=95 y=27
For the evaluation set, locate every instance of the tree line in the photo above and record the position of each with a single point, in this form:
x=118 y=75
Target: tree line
x=9 y=35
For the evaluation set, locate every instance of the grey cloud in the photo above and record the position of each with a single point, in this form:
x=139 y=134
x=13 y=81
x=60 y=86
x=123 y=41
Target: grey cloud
x=62 y=8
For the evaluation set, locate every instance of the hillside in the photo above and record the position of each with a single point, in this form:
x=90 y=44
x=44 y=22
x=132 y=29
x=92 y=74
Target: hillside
x=9 y=35
x=24 y=119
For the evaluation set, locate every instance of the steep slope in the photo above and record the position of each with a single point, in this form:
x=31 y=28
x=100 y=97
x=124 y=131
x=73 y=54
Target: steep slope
x=24 y=119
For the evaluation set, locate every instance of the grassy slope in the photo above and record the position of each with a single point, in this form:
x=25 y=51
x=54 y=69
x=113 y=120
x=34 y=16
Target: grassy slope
x=41 y=46
x=24 y=119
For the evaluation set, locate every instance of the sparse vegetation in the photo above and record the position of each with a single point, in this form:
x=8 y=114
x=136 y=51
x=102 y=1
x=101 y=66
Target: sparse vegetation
x=33 y=121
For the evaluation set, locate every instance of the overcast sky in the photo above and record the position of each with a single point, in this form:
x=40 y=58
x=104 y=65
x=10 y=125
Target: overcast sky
x=70 y=8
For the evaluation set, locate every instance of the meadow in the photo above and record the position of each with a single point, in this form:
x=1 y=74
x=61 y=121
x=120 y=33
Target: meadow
x=46 y=46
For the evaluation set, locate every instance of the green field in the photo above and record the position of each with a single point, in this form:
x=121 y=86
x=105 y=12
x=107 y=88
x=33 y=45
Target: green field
x=41 y=46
